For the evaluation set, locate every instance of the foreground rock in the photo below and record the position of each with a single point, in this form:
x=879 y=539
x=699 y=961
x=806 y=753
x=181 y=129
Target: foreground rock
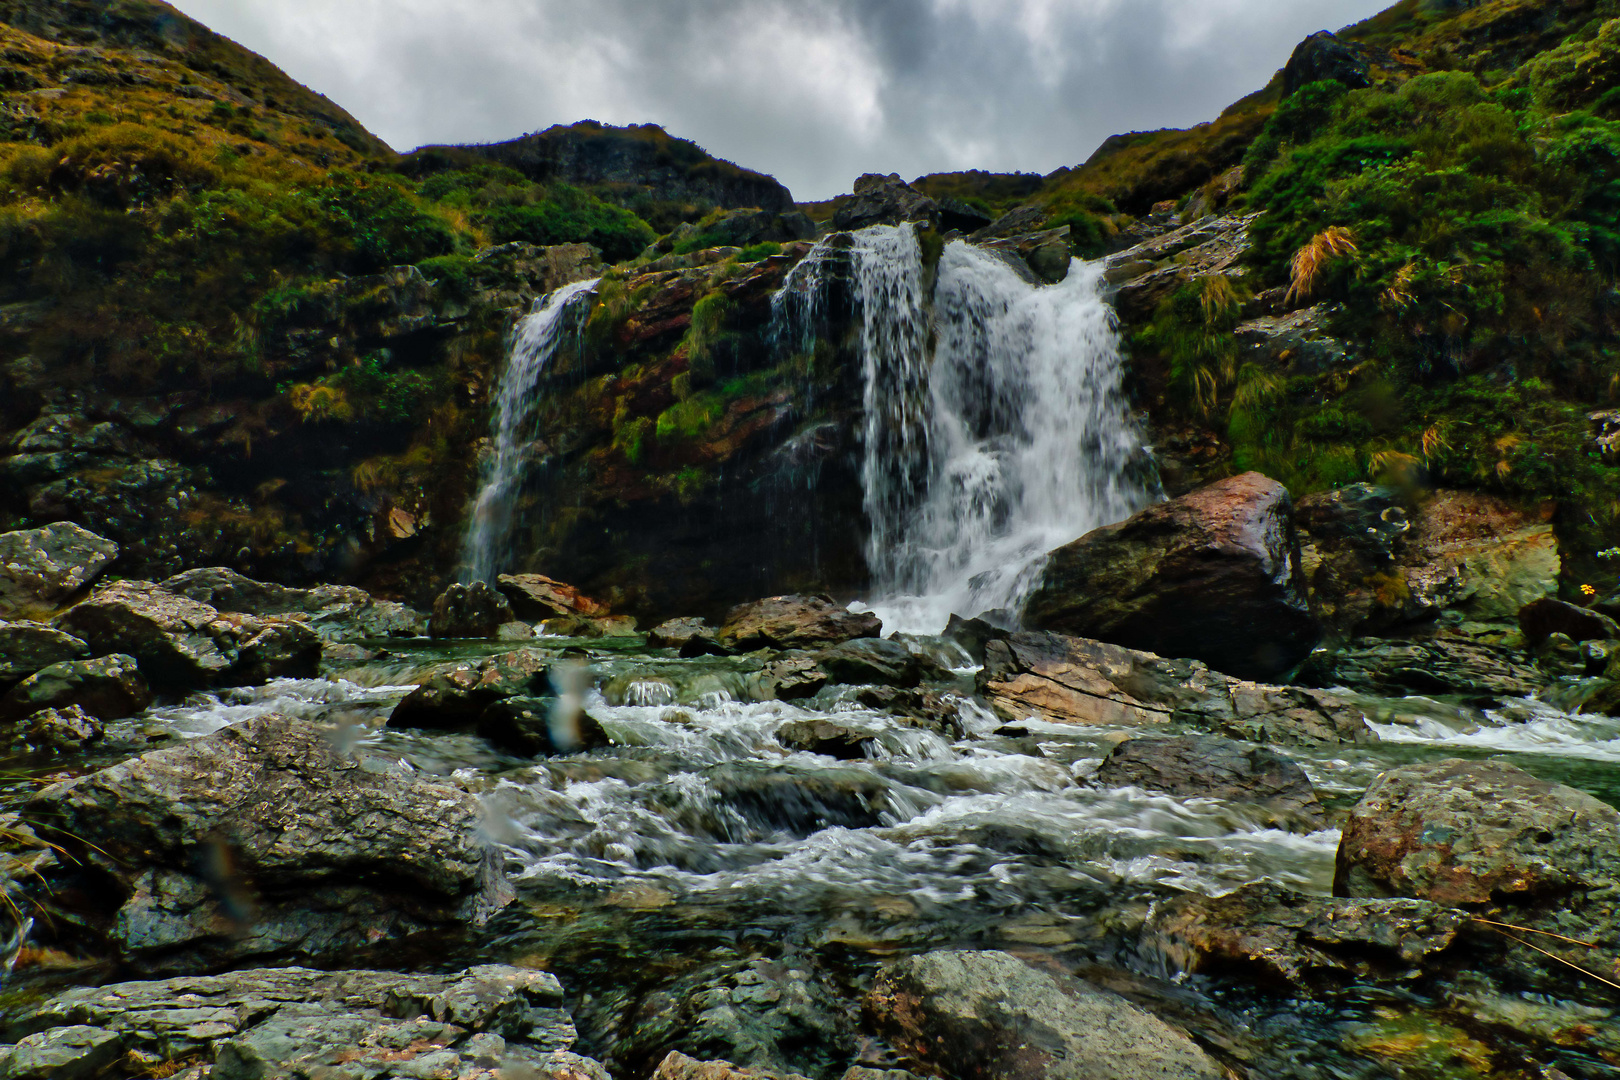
x=984 y=1015
x=1073 y=680
x=469 y=611
x=183 y=643
x=285 y=1022
x=268 y=839
x=26 y=647
x=334 y=612
x=109 y=688
x=1302 y=942
x=39 y=568
x=1213 y=575
x=456 y=695
x=1206 y=766
x=876 y=662
x=795 y=622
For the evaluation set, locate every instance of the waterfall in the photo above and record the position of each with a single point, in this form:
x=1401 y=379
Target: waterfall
x=556 y=317
x=996 y=427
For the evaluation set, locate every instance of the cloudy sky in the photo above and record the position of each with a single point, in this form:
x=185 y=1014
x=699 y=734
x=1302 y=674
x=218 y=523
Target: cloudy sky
x=815 y=92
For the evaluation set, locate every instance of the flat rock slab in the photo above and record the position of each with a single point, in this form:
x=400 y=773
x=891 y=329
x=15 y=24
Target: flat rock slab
x=282 y=1022
x=988 y=1015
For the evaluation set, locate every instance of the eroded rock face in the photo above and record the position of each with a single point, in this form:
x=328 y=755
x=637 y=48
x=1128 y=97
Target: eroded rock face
x=39 y=568
x=108 y=688
x=346 y=1025
x=268 y=839
x=884 y=200
x=795 y=622
x=27 y=647
x=1207 y=766
x=1213 y=575
x=984 y=1015
x=469 y=611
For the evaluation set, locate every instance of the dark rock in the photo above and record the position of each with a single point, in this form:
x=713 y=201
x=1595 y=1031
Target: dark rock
x=884 y=200
x=795 y=622
x=268 y=839
x=1351 y=539
x=183 y=643
x=973 y=634
x=539 y=727
x=300 y=1022
x=962 y=216
x=334 y=612
x=983 y=1015
x=109 y=688
x=582 y=626
x=1558 y=654
x=826 y=738
x=536 y=597
x=791 y=678
x=26 y=647
x=39 y=568
x=875 y=661
x=927 y=708
x=65 y=729
x=1207 y=766
x=469 y=611
x=1324 y=56
x=1597 y=656
x=689 y=637
x=1540 y=619
x=1605 y=701
x=1301 y=942
x=1213 y=575
x=456 y=696
x=1446 y=666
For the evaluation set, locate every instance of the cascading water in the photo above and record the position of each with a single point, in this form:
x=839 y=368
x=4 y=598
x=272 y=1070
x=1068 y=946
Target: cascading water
x=489 y=530
x=995 y=424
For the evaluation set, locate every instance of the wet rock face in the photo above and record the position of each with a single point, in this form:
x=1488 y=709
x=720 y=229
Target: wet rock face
x=27 y=647
x=269 y=839
x=822 y=737
x=1474 y=832
x=457 y=695
x=108 y=688
x=294 y=1021
x=1214 y=575
x=39 y=568
x=469 y=611
x=537 y=727
x=1207 y=766
x=984 y=1015
x=795 y=622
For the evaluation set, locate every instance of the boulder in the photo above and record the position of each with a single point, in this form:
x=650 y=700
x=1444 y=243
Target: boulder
x=1210 y=767
x=183 y=643
x=884 y=200
x=688 y=637
x=26 y=647
x=469 y=611
x=986 y=1015
x=875 y=661
x=62 y=730
x=535 y=597
x=582 y=626
x=1301 y=942
x=824 y=737
x=1541 y=619
x=540 y=727
x=334 y=612
x=268 y=839
x=456 y=695
x=108 y=688
x=1214 y=575
x=39 y=568
x=1443 y=666
x=1479 y=557
x=281 y=1022
x=790 y=678
x=973 y=635
x=677 y=1066
x=795 y=622
x=1324 y=56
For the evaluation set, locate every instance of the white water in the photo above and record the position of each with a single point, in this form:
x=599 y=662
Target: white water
x=996 y=427
x=489 y=530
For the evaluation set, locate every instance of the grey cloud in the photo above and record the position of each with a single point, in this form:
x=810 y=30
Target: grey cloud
x=813 y=91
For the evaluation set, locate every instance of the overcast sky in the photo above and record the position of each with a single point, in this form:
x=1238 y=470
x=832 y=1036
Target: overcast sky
x=814 y=92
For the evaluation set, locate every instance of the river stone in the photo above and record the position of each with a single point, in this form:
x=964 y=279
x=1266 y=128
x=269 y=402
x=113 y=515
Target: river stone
x=1473 y=832
x=27 y=647
x=65 y=729
x=109 y=688
x=268 y=838
x=284 y=1022
x=1446 y=666
x=689 y=637
x=1207 y=766
x=1214 y=575
x=677 y=1066
x=39 y=568
x=455 y=696
x=1540 y=619
x=795 y=622
x=988 y=1016
x=74 y=1052
x=875 y=661
x=587 y=626
x=789 y=678
x=334 y=612
x=535 y=597
x=1303 y=942
x=973 y=635
x=469 y=611
x=824 y=737
x=535 y=727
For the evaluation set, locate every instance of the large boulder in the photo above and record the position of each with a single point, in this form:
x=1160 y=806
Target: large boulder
x=39 y=568
x=795 y=622
x=183 y=643
x=334 y=612
x=1324 y=56
x=1211 y=767
x=456 y=695
x=267 y=839
x=1541 y=619
x=469 y=611
x=875 y=661
x=283 y=1022
x=536 y=597
x=108 y=688
x=884 y=200
x=26 y=647
x=1214 y=575
x=1445 y=666
x=989 y=1015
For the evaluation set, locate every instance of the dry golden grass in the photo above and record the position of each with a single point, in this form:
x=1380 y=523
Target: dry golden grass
x=1314 y=257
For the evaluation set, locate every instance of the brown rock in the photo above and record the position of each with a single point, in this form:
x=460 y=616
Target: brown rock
x=535 y=597
x=469 y=611
x=677 y=1066
x=1207 y=766
x=795 y=622
x=823 y=737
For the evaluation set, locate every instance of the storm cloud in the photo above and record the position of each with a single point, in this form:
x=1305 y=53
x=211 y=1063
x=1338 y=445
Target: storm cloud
x=815 y=92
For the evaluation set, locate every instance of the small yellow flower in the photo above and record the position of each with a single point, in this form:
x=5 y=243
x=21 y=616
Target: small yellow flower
x=1587 y=590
